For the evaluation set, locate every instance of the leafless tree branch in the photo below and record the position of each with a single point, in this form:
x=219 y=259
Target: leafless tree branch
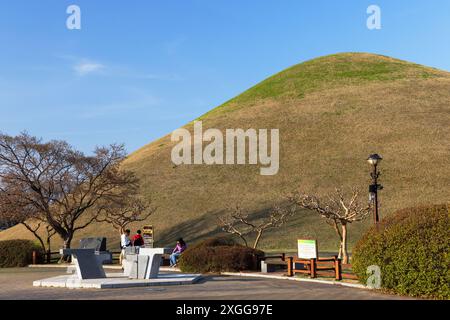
x=60 y=186
x=239 y=223
x=337 y=209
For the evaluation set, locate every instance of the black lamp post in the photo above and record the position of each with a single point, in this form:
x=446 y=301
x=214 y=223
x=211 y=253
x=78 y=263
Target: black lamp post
x=374 y=160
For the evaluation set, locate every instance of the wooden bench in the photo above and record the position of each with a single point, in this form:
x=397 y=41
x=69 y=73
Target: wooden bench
x=313 y=266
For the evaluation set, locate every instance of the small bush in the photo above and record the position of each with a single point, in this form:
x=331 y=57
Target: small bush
x=18 y=253
x=219 y=255
x=412 y=249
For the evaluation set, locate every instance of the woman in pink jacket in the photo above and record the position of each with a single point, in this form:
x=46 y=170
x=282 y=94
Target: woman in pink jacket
x=177 y=251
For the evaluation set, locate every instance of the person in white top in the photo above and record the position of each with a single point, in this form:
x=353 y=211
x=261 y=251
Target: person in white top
x=124 y=242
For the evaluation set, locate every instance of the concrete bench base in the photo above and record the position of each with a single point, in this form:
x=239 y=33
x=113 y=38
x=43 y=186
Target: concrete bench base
x=272 y=266
x=116 y=280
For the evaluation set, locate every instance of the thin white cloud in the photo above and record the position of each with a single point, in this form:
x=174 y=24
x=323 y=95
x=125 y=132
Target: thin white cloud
x=84 y=68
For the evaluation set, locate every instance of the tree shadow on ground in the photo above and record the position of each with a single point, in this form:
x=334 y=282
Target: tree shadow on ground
x=207 y=226
x=304 y=224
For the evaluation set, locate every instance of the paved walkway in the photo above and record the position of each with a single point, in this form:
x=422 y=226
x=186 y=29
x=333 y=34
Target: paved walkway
x=17 y=284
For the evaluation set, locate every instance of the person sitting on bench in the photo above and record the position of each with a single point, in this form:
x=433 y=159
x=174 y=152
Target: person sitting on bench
x=176 y=253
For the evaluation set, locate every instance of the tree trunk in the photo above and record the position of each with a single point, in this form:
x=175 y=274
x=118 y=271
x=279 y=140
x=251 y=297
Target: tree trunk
x=344 y=244
x=47 y=253
x=255 y=245
x=67 y=241
x=48 y=242
x=339 y=233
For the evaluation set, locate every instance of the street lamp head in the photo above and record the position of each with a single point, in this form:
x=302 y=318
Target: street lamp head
x=374 y=159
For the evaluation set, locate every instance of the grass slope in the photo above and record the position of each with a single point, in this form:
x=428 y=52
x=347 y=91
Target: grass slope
x=332 y=113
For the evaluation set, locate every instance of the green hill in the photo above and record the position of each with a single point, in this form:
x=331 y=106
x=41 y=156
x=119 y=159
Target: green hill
x=332 y=112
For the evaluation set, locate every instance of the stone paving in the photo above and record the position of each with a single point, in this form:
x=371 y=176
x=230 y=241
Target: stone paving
x=18 y=284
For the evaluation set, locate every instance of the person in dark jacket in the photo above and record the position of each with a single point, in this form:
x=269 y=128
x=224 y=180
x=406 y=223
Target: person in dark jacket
x=137 y=240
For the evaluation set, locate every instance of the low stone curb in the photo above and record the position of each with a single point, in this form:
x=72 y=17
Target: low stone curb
x=268 y=276
x=257 y=275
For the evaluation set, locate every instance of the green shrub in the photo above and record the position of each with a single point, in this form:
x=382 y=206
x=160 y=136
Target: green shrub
x=412 y=249
x=18 y=253
x=219 y=255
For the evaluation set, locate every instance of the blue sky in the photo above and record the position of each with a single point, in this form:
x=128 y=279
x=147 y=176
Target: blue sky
x=139 y=69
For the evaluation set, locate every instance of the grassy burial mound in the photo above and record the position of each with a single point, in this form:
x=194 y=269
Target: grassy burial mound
x=331 y=112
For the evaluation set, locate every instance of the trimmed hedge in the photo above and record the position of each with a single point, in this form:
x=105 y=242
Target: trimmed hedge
x=412 y=249
x=219 y=255
x=18 y=253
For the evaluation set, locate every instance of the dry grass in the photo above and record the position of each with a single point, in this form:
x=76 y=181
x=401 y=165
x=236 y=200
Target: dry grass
x=356 y=104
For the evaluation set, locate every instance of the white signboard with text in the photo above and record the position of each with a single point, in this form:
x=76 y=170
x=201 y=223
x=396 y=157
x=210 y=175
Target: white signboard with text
x=307 y=249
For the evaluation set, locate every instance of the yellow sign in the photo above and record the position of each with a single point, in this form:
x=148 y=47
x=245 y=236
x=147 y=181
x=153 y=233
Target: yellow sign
x=148 y=235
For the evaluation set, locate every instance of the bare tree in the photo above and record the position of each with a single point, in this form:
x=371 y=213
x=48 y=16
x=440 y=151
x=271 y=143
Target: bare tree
x=14 y=211
x=53 y=183
x=123 y=211
x=40 y=230
x=338 y=211
x=239 y=223
x=19 y=213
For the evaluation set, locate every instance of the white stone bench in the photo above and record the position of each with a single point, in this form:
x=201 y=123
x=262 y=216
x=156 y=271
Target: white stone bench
x=87 y=263
x=145 y=264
